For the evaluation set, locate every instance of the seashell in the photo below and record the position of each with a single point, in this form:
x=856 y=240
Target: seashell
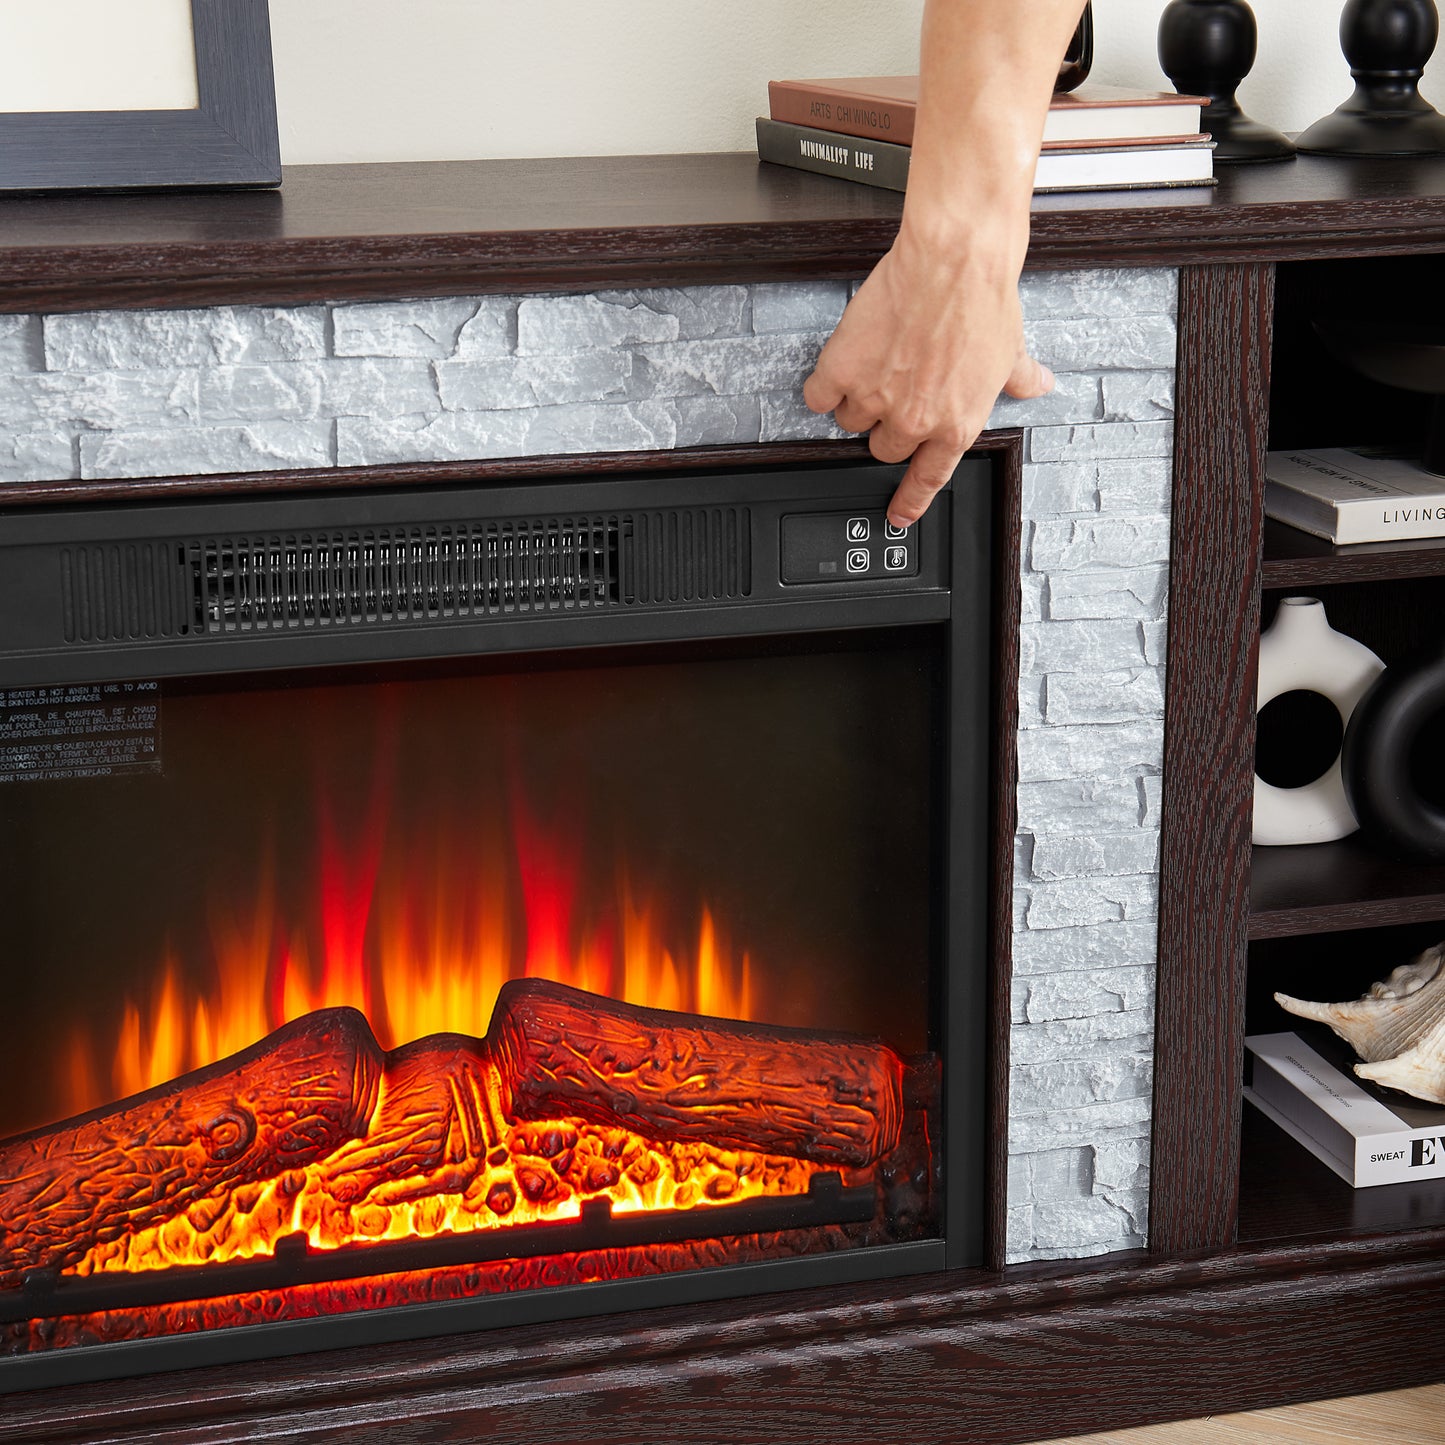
x=1397 y=1028
x=1419 y=1072
x=1393 y=1016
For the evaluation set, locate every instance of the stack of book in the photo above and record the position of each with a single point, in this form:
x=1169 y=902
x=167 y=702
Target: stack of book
x=1096 y=138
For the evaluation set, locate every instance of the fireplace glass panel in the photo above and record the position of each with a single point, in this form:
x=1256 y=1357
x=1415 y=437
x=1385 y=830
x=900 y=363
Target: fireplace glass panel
x=356 y=988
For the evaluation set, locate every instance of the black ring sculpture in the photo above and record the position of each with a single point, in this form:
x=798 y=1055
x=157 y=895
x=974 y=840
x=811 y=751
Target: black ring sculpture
x=1402 y=713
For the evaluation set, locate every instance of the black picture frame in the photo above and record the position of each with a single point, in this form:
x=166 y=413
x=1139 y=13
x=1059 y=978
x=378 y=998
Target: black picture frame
x=229 y=139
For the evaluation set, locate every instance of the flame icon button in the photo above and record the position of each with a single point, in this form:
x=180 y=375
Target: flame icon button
x=859 y=529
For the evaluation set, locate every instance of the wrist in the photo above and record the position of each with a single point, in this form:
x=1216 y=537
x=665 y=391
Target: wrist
x=971 y=203
x=990 y=245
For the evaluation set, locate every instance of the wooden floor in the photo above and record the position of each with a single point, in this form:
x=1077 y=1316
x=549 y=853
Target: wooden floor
x=1401 y=1417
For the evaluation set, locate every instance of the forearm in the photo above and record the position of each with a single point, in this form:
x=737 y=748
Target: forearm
x=935 y=332
x=986 y=72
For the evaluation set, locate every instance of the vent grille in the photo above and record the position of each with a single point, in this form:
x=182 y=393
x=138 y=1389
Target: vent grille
x=698 y=555
x=378 y=575
x=122 y=593
x=413 y=574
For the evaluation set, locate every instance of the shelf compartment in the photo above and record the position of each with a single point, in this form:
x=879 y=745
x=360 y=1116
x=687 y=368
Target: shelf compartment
x=1286 y=1193
x=1324 y=887
x=1296 y=559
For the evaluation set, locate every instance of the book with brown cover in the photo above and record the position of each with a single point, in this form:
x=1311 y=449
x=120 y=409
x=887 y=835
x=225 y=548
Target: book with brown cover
x=882 y=107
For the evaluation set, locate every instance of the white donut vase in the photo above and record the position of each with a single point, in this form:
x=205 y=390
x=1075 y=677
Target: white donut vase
x=1301 y=652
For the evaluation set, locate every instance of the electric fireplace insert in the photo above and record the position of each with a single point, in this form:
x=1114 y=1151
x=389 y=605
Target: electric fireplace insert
x=427 y=909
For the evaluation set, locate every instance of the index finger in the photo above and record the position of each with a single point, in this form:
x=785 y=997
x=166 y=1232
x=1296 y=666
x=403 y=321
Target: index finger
x=929 y=471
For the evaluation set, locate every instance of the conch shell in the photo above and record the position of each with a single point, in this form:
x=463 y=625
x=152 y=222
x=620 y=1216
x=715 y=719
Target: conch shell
x=1397 y=1028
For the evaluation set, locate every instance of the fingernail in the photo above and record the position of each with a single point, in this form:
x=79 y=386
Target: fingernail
x=1049 y=377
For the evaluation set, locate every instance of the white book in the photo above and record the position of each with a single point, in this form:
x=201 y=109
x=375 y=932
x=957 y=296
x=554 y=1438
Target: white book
x=1344 y=494
x=1098 y=168
x=1363 y=1139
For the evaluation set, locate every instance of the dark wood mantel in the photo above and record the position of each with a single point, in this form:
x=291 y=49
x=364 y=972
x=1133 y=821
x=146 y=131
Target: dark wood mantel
x=464 y=227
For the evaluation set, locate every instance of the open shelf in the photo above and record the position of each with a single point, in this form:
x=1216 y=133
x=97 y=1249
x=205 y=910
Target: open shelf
x=1285 y=1192
x=1323 y=887
x=1296 y=559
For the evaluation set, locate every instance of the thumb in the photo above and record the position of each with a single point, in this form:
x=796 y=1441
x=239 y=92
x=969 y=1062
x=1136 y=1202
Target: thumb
x=1028 y=378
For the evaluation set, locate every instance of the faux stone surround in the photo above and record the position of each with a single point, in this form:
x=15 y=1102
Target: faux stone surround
x=124 y=394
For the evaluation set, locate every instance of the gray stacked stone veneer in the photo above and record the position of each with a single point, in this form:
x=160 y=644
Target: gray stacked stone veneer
x=124 y=394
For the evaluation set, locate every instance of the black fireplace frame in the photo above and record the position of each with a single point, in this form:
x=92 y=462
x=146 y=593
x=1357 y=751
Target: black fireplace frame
x=960 y=572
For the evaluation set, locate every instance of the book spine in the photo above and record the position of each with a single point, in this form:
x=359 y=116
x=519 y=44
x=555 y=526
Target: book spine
x=821 y=109
x=1297 y=509
x=874 y=162
x=1396 y=1159
x=1384 y=521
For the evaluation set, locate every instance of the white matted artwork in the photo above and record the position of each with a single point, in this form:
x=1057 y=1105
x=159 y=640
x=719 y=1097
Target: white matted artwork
x=136 y=95
x=113 y=55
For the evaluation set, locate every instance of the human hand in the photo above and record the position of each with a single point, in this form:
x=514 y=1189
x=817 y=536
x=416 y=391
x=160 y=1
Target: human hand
x=919 y=359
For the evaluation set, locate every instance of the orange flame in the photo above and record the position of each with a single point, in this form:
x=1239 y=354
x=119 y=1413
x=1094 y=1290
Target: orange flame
x=419 y=949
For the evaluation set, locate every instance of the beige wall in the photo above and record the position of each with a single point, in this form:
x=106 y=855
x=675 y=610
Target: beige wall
x=366 y=80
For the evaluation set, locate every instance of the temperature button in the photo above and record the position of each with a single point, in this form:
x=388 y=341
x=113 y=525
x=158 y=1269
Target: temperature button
x=895 y=559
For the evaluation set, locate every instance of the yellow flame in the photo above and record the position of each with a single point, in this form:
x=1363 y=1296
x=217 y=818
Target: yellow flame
x=436 y=952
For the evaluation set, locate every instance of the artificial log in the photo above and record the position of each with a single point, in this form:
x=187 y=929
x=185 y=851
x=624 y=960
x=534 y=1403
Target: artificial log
x=431 y=1131
x=831 y=1098
x=311 y=1094
x=284 y=1103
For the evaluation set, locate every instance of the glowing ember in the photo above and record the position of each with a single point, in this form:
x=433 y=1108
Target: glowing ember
x=540 y=1172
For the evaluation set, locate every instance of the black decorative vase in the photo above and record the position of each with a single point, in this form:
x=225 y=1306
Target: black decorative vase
x=1393 y=762
x=1387 y=43
x=1078 y=59
x=1206 y=47
x=1407 y=354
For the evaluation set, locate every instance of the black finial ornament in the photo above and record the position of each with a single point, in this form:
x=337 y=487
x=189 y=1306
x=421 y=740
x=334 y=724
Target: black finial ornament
x=1387 y=43
x=1206 y=47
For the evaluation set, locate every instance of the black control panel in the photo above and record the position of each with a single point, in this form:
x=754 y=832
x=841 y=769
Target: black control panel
x=846 y=547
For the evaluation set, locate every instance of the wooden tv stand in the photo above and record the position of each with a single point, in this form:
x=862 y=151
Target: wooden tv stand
x=1267 y=1280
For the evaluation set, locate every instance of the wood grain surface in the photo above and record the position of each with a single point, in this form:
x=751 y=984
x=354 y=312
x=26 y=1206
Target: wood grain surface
x=970 y=1355
x=1286 y=1193
x=1316 y=888
x=1294 y=559
x=441 y=474
x=1220 y=439
x=465 y=227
